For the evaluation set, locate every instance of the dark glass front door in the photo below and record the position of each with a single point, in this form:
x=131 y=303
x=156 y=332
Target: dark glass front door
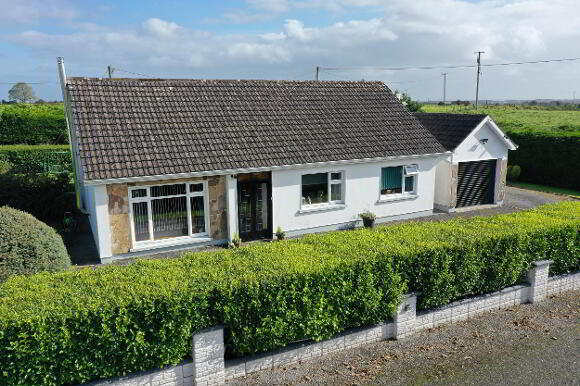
x=254 y=206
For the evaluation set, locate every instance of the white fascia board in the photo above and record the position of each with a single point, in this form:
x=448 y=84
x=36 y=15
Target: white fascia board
x=504 y=137
x=260 y=169
x=495 y=128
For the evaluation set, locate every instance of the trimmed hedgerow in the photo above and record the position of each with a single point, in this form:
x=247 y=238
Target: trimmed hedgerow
x=45 y=196
x=547 y=158
x=445 y=261
x=32 y=124
x=93 y=323
x=37 y=158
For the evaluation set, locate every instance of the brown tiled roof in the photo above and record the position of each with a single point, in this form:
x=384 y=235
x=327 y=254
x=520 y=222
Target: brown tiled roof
x=450 y=129
x=137 y=127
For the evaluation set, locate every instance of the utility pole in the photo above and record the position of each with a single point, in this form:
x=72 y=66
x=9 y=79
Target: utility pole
x=478 y=73
x=444 y=86
x=317 y=72
x=110 y=70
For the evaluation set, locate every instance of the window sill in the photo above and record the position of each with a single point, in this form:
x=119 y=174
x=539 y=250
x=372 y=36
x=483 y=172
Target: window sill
x=397 y=197
x=147 y=245
x=322 y=208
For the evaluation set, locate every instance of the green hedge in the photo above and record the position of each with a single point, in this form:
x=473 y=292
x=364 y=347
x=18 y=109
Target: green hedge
x=32 y=124
x=45 y=196
x=37 y=158
x=547 y=158
x=93 y=323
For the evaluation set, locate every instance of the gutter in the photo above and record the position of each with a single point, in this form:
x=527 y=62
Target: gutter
x=258 y=169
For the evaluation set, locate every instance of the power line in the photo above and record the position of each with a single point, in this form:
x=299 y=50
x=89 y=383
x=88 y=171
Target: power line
x=379 y=68
x=131 y=72
x=29 y=82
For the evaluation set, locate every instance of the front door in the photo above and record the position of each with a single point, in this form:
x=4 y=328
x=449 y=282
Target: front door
x=254 y=206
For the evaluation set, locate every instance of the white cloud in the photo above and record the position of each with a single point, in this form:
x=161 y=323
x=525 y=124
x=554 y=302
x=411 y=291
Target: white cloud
x=258 y=51
x=295 y=29
x=400 y=33
x=33 y=11
x=161 y=28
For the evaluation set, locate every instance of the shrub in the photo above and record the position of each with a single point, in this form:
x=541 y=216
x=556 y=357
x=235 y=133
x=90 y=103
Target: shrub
x=548 y=158
x=28 y=245
x=46 y=197
x=79 y=325
x=32 y=124
x=513 y=172
x=5 y=166
x=37 y=159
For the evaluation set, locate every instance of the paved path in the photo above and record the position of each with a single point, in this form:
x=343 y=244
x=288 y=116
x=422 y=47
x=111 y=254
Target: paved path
x=529 y=344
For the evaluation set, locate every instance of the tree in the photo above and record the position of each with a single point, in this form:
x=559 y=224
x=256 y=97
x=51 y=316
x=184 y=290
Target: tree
x=407 y=101
x=21 y=92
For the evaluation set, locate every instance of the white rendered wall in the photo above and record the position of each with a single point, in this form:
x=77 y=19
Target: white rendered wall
x=97 y=203
x=361 y=193
x=232 y=198
x=473 y=150
x=88 y=199
x=443 y=175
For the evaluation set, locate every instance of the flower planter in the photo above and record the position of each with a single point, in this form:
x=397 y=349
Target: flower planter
x=369 y=222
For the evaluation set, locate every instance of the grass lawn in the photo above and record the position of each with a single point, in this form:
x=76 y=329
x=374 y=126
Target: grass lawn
x=542 y=188
x=512 y=118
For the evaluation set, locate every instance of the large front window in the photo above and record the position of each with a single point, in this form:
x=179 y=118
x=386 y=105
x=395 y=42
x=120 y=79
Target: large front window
x=399 y=180
x=322 y=188
x=161 y=212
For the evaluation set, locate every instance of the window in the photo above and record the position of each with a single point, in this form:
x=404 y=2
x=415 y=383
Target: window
x=322 y=188
x=161 y=212
x=399 y=180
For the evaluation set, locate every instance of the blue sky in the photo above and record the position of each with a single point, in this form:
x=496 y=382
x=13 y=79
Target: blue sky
x=286 y=39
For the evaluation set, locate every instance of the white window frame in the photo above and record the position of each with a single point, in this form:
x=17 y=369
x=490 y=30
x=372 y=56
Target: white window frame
x=411 y=170
x=188 y=195
x=330 y=182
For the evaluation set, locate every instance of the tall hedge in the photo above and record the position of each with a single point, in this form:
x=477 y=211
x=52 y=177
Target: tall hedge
x=32 y=124
x=548 y=158
x=37 y=158
x=45 y=196
x=93 y=323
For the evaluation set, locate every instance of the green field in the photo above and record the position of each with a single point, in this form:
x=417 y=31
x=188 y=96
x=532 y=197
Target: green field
x=513 y=118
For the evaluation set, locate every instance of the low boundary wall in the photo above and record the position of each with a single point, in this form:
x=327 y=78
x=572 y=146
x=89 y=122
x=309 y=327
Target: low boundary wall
x=208 y=367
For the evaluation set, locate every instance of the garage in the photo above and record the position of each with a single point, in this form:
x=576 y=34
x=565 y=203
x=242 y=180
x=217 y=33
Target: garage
x=474 y=174
x=476 y=183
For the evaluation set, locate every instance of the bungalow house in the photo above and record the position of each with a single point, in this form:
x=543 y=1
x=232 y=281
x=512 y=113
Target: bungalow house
x=165 y=164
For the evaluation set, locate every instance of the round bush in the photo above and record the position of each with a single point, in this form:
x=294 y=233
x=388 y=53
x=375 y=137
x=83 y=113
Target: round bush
x=28 y=245
x=514 y=172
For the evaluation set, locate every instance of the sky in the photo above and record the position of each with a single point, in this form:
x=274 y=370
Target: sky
x=287 y=39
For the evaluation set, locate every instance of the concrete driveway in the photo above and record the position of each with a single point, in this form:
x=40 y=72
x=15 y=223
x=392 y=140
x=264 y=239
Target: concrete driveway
x=524 y=199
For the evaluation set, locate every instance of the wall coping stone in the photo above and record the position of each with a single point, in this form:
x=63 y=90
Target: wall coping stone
x=541 y=263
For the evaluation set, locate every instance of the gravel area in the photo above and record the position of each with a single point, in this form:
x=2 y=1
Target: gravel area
x=530 y=344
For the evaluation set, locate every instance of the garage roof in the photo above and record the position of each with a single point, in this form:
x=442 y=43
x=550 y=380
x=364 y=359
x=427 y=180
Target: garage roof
x=450 y=129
